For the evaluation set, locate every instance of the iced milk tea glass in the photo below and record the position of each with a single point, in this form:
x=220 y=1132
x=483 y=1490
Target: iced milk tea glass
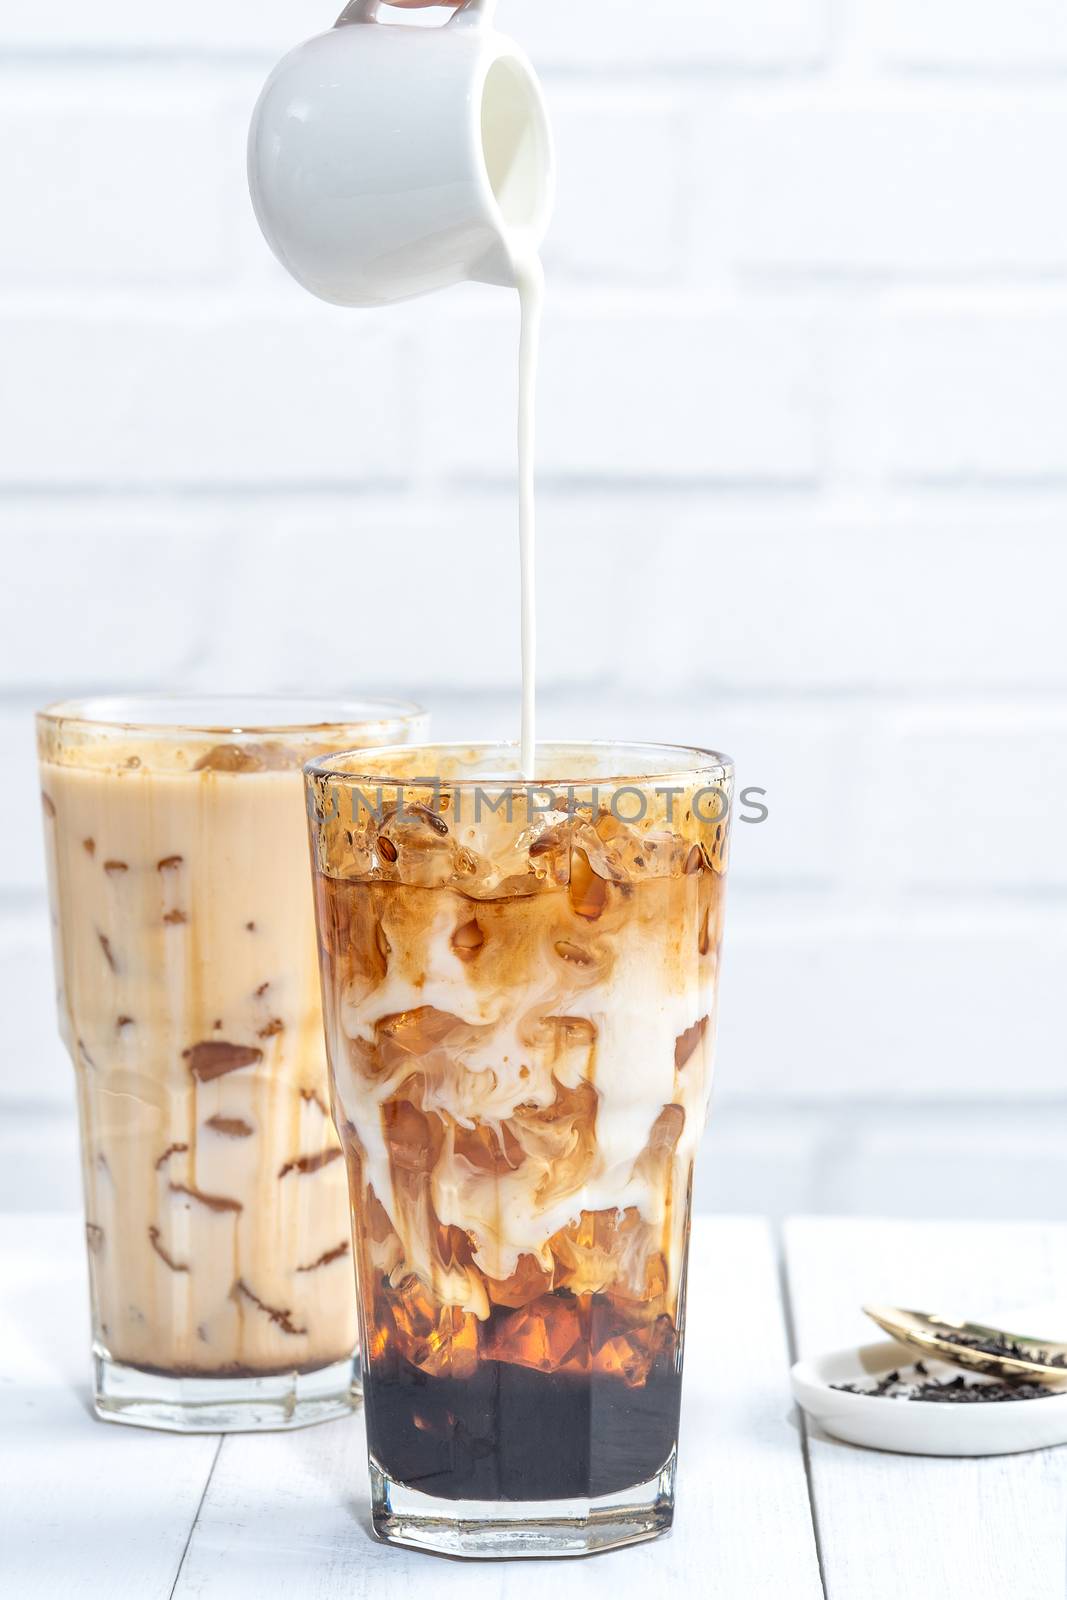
x=188 y=992
x=519 y=987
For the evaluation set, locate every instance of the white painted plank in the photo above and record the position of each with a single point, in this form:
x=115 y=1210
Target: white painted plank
x=89 y=1510
x=289 y=1515
x=915 y=1526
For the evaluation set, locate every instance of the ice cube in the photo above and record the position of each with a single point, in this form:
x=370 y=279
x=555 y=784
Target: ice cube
x=528 y=1282
x=414 y=1137
x=417 y=842
x=688 y=1043
x=450 y=1349
x=414 y=1033
x=546 y=1335
x=588 y=891
x=468 y=939
x=487 y=1149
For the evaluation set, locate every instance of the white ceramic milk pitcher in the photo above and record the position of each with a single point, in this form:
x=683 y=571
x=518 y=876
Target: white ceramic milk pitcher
x=387 y=160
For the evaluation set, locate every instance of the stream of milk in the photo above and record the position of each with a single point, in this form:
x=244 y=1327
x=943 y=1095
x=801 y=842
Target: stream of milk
x=530 y=281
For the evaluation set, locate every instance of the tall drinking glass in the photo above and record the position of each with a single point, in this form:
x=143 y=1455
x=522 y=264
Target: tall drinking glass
x=187 y=984
x=519 y=986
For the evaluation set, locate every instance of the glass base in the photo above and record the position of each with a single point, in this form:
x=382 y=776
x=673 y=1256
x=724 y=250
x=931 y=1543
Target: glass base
x=490 y=1529
x=224 y=1404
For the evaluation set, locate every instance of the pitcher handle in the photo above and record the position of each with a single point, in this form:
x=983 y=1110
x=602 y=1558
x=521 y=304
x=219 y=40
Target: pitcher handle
x=472 y=13
x=358 y=11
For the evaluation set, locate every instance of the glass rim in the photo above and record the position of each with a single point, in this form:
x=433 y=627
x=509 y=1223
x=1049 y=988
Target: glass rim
x=145 y=714
x=697 y=763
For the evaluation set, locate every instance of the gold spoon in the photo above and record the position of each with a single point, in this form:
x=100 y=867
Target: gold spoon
x=972 y=1344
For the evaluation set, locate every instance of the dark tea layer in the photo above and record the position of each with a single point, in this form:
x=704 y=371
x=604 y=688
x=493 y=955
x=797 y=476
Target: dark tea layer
x=512 y=1433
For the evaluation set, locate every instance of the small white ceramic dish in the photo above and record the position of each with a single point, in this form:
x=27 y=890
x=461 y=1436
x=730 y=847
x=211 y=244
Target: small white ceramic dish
x=919 y=1427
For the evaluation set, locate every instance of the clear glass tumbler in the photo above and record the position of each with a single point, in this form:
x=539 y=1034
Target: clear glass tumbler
x=519 y=985
x=188 y=992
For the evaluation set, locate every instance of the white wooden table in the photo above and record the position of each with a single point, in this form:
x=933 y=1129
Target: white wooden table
x=90 y=1511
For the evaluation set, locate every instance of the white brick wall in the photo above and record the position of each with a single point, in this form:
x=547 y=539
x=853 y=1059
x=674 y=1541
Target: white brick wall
x=151 y=394
x=895 y=181
x=804 y=484
x=993 y=386
x=618 y=141
x=127 y=26
x=108 y=183
x=678 y=390
x=979 y=799
x=678 y=34
x=987 y=34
